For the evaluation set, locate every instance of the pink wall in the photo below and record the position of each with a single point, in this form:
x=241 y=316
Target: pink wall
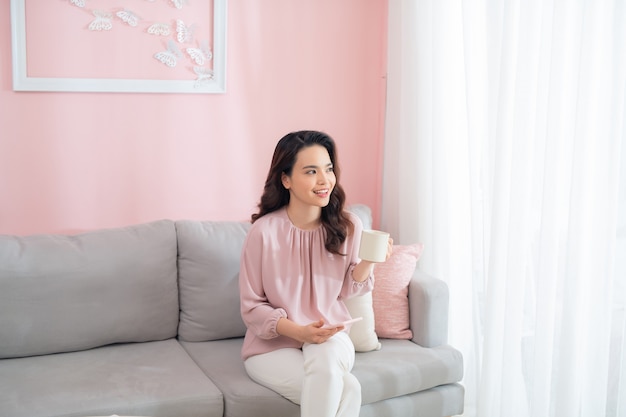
x=79 y=161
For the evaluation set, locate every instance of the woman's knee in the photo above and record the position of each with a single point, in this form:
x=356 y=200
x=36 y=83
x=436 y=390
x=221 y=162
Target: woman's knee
x=335 y=356
x=351 y=384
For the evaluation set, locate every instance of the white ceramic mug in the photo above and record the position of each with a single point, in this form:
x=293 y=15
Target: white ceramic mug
x=374 y=245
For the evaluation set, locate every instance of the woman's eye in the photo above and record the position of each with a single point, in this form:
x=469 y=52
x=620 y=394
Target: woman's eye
x=311 y=172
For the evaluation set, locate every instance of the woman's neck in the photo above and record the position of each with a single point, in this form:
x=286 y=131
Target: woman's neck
x=305 y=218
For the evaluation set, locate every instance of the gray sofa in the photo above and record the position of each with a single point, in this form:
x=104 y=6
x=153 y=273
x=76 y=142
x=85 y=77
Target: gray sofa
x=144 y=320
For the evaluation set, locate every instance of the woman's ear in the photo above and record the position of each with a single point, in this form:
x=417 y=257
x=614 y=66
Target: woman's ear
x=285 y=180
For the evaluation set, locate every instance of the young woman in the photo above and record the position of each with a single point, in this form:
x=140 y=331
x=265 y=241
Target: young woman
x=299 y=261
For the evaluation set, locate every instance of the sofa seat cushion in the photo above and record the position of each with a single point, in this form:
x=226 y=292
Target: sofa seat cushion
x=221 y=362
x=144 y=379
x=402 y=367
x=442 y=400
x=399 y=368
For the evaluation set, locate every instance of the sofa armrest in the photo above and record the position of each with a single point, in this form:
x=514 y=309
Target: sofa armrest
x=428 y=310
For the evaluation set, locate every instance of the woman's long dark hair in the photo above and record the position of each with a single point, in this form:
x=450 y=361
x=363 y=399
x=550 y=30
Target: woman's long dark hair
x=334 y=219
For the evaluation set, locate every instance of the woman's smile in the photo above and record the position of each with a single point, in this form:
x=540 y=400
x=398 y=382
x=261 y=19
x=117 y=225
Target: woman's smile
x=325 y=192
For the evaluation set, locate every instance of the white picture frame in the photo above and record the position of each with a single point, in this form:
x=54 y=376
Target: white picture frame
x=23 y=82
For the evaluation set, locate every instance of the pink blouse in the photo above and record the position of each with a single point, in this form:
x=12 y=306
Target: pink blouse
x=287 y=272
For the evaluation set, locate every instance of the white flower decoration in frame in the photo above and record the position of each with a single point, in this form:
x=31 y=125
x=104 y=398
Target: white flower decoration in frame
x=30 y=71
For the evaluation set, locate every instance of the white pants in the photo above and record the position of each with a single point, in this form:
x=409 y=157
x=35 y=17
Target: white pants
x=317 y=377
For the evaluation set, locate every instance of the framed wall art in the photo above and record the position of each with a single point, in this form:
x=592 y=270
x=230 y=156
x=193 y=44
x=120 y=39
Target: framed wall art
x=140 y=46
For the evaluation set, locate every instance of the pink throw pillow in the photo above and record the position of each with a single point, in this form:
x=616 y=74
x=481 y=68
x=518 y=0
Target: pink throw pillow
x=391 y=291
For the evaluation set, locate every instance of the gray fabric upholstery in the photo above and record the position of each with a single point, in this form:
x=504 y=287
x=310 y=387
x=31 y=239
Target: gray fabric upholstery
x=156 y=379
x=85 y=297
x=208 y=279
x=444 y=400
x=428 y=312
x=364 y=213
x=65 y=293
x=408 y=369
x=221 y=362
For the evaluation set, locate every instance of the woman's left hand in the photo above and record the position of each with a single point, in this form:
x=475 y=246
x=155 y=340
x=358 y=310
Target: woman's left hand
x=364 y=268
x=389 y=249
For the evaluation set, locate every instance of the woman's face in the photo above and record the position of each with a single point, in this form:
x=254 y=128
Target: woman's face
x=312 y=178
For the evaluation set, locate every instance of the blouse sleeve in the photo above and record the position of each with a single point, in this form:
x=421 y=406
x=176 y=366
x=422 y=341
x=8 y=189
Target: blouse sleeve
x=352 y=288
x=257 y=313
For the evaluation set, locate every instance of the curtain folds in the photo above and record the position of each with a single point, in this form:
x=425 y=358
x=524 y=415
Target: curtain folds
x=506 y=156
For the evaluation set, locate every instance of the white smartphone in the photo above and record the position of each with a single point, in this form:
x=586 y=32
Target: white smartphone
x=344 y=323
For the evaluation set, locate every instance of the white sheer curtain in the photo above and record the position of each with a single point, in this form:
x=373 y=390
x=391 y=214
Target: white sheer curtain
x=506 y=156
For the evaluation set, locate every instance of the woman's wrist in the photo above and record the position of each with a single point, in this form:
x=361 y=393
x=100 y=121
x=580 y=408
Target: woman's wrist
x=288 y=328
x=362 y=270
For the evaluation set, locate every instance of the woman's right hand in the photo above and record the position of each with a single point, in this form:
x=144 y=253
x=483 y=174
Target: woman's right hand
x=312 y=333
x=317 y=333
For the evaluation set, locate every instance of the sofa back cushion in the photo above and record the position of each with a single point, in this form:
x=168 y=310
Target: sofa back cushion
x=364 y=213
x=208 y=279
x=63 y=293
